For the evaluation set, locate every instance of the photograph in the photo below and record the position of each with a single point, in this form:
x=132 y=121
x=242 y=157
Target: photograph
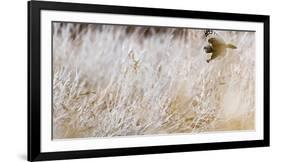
x=109 y=80
x=114 y=80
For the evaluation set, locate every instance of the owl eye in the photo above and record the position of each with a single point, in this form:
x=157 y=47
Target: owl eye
x=211 y=40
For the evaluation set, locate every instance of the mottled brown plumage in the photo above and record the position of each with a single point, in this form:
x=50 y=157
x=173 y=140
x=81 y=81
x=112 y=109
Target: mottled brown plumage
x=217 y=47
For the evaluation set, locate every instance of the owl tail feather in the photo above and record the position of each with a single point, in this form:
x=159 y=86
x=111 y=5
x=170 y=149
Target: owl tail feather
x=231 y=46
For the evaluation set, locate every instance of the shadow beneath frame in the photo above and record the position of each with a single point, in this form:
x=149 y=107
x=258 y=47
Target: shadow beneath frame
x=22 y=156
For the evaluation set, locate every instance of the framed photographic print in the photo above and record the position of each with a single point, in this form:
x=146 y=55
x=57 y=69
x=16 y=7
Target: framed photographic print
x=115 y=80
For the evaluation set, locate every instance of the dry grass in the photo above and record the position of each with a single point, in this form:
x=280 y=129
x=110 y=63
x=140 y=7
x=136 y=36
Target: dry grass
x=121 y=81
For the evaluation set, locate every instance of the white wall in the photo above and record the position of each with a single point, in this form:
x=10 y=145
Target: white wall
x=13 y=82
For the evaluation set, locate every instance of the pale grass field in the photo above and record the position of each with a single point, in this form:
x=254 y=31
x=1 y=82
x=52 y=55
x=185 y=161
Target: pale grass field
x=119 y=81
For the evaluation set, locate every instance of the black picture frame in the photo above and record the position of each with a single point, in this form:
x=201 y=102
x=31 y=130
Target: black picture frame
x=34 y=80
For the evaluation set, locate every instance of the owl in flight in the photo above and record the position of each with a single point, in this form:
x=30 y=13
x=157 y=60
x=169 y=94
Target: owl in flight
x=216 y=45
